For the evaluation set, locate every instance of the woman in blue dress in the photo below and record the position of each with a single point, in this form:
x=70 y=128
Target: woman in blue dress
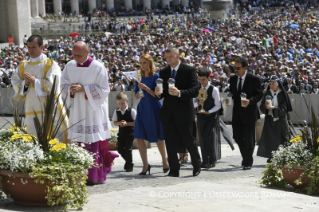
x=147 y=124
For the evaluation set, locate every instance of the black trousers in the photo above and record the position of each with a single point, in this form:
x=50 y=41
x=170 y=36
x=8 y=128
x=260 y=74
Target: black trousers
x=124 y=148
x=207 y=136
x=244 y=136
x=181 y=145
x=174 y=132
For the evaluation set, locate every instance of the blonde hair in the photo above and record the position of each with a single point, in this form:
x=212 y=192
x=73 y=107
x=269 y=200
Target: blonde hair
x=121 y=96
x=150 y=62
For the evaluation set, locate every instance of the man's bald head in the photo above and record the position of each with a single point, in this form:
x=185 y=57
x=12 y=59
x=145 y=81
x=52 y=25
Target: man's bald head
x=80 y=52
x=80 y=45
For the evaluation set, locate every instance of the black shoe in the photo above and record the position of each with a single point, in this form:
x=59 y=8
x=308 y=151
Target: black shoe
x=89 y=183
x=196 y=172
x=129 y=170
x=128 y=166
x=246 y=167
x=211 y=165
x=173 y=174
x=204 y=166
x=166 y=170
x=147 y=170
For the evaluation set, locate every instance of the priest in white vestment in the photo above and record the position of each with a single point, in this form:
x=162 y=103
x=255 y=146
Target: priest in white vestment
x=33 y=80
x=85 y=84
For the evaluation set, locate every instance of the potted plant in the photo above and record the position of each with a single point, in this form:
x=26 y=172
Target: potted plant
x=297 y=163
x=39 y=171
x=113 y=140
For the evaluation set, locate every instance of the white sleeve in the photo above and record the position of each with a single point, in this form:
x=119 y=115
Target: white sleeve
x=65 y=87
x=114 y=117
x=22 y=92
x=195 y=101
x=216 y=97
x=133 y=114
x=97 y=93
x=38 y=88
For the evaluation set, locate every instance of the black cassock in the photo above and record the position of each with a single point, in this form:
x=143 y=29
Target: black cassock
x=217 y=128
x=209 y=138
x=274 y=133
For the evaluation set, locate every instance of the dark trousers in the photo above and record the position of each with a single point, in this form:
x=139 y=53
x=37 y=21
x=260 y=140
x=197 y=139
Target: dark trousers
x=244 y=136
x=184 y=132
x=181 y=145
x=124 y=148
x=207 y=137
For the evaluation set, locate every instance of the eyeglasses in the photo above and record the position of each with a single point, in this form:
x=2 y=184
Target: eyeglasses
x=237 y=68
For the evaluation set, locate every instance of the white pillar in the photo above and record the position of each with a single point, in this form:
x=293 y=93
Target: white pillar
x=57 y=6
x=18 y=19
x=185 y=3
x=165 y=2
x=34 y=9
x=41 y=4
x=128 y=3
x=92 y=5
x=109 y=4
x=147 y=4
x=75 y=6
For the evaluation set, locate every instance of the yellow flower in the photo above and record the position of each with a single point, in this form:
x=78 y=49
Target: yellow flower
x=58 y=147
x=296 y=139
x=112 y=130
x=16 y=136
x=53 y=141
x=14 y=128
x=28 y=138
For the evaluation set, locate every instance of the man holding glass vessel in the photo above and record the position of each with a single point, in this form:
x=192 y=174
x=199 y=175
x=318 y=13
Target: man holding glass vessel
x=180 y=86
x=247 y=92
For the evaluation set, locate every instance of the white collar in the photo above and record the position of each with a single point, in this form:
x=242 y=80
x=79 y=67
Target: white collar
x=177 y=67
x=122 y=110
x=207 y=86
x=37 y=59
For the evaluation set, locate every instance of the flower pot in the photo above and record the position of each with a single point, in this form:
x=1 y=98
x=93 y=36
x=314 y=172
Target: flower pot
x=28 y=194
x=292 y=174
x=112 y=146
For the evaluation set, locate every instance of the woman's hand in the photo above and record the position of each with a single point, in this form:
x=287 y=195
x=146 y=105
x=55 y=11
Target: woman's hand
x=137 y=96
x=142 y=86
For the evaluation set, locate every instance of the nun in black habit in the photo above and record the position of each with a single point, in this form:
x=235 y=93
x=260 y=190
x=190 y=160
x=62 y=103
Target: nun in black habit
x=275 y=131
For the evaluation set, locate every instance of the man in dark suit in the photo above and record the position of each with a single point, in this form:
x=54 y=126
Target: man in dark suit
x=178 y=113
x=245 y=117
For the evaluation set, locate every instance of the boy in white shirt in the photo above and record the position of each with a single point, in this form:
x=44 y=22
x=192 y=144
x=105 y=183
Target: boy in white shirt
x=124 y=117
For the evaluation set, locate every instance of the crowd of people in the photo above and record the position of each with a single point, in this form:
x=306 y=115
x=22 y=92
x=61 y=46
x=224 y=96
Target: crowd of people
x=280 y=41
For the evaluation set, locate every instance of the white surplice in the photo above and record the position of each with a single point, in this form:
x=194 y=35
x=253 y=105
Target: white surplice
x=89 y=110
x=44 y=70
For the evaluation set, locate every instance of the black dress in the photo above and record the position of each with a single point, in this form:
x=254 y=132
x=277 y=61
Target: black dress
x=274 y=133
